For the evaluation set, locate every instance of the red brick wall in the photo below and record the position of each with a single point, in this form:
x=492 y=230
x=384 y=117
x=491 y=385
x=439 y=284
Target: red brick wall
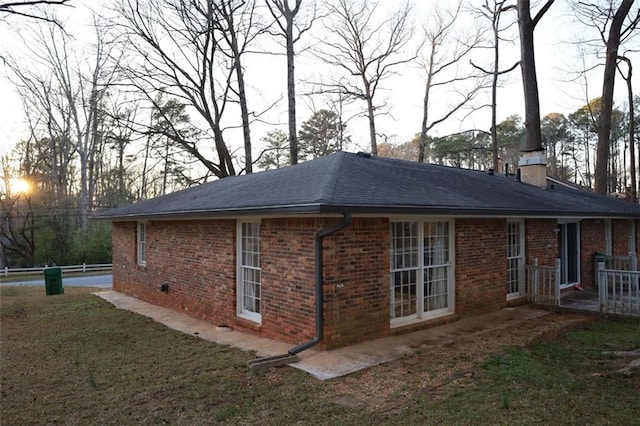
x=196 y=259
x=620 y=237
x=592 y=240
x=541 y=241
x=356 y=285
x=288 y=309
x=123 y=240
x=481 y=265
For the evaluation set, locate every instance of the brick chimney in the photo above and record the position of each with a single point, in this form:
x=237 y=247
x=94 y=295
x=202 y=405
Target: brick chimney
x=533 y=168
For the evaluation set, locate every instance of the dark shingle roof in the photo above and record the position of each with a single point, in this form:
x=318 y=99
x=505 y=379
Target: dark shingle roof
x=356 y=183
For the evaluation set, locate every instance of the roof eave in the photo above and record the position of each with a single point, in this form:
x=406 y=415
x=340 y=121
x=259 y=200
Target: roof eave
x=320 y=208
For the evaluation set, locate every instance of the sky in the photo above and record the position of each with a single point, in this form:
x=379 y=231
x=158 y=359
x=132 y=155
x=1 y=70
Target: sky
x=560 y=89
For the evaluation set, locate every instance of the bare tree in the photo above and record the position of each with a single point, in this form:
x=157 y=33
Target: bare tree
x=630 y=127
x=48 y=151
x=118 y=136
x=93 y=89
x=526 y=26
x=67 y=94
x=445 y=49
x=366 y=49
x=185 y=49
x=30 y=9
x=291 y=30
x=615 y=24
x=237 y=27
x=493 y=12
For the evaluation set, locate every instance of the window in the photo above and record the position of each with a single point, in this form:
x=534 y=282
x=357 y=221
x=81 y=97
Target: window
x=249 y=272
x=142 y=243
x=515 y=259
x=421 y=270
x=404 y=268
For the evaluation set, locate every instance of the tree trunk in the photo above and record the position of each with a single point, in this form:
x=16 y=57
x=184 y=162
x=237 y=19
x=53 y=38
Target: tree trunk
x=278 y=9
x=494 y=92
x=425 y=113
x=372 y=118
x=604 y=122
x=631 y=134
x=291 y=91
x=248 y=157
x=143 y=187
x=526 y=26
x=242 y=95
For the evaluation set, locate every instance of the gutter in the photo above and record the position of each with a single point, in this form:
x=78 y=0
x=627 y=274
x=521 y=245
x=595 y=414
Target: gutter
x=319 y=279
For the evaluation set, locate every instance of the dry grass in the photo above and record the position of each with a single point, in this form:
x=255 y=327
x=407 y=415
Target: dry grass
x=74 y=359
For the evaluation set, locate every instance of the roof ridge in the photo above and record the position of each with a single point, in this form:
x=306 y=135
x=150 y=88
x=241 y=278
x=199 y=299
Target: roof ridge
x=333 y=172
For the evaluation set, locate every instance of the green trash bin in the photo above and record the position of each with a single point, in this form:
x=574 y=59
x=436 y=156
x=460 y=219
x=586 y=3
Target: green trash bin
x=53 y=281
x=600 y=258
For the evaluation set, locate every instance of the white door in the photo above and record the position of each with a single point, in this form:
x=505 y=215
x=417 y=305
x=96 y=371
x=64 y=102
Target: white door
x=569 y=247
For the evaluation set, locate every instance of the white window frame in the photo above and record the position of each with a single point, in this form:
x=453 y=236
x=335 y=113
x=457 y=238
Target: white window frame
x=632 y=236
x=243 y=267
x=420 y=314
x=519 y=257
x=141 y=244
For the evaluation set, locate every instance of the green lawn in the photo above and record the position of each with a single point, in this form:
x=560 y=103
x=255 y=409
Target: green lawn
x=75 y=359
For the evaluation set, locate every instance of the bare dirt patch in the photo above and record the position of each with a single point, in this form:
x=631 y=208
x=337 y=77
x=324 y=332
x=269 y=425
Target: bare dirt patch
x=437 y=370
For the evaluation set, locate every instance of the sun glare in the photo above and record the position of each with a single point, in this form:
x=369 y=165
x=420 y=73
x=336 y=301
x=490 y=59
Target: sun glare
x=18 y=186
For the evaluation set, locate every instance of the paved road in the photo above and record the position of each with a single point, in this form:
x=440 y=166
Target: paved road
x=101 y=281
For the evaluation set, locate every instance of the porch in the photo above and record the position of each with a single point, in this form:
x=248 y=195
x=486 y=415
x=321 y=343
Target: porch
x=617 y=290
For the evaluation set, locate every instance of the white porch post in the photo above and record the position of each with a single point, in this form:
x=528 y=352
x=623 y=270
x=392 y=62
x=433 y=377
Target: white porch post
x=601 y=282
x=634 y=277
x=557 y=284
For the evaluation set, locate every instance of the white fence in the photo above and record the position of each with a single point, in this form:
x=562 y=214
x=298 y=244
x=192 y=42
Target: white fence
x=543 y=283
x=14 y=272
x=619 y=289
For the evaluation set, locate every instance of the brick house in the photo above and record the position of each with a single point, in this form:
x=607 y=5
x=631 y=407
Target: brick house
x=351 y=247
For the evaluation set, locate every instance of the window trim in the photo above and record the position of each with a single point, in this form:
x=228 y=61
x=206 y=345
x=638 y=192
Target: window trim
x=141 y=244
x=521 y=270
x=421 y=315
x=240 y=310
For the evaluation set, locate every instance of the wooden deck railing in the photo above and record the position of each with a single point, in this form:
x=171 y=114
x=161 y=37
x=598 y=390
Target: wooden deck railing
x=543 y=283
x=619 y=289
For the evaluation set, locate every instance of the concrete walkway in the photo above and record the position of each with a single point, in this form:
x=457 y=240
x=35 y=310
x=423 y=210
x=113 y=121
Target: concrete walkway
x=338 y=362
